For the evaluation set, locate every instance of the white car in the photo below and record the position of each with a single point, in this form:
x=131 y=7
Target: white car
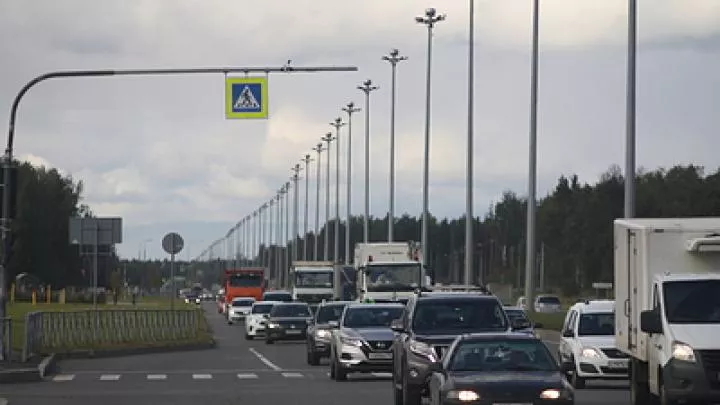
x=587 y=347
x=239 y=308
x=256 y=320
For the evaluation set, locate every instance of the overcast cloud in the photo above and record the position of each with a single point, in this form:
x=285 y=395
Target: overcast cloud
x=159 y=152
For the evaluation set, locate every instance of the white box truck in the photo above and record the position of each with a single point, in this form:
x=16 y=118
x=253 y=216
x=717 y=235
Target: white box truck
x=312 y=281
x=667 y=317
x=389 y=271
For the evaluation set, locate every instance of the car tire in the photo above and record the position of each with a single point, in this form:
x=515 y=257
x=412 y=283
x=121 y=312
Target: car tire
x=312 y=358
x=410 y=394
x=340 y=373
x=248 y=336
x=576 y=381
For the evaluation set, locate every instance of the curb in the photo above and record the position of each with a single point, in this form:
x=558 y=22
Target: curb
x=29 y=374
x=105 y=353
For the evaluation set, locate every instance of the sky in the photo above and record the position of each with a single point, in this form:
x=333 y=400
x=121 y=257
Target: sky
x=159 y=152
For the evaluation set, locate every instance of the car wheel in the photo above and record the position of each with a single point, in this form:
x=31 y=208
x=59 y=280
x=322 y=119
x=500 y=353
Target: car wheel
x=248 y=336
x=577 y=381
x=410 y=394
x=312 y=358
x=332 y=366
x=340 y=373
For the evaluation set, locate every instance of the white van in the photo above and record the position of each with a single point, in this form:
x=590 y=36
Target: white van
x=587 y=347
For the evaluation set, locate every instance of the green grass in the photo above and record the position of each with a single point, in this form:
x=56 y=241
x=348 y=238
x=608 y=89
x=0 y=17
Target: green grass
x=18 y=310
x=550 y=321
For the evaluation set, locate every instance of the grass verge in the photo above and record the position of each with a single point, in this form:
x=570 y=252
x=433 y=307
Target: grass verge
x=550 y=321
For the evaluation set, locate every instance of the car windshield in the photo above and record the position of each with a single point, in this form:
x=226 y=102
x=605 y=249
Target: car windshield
x=282 y=297
x=375 y=316
x=437 y=317
x=501 y=355
x=329 y=313
x=549 y=299
x=394 y=277
x=314 y=279
x=242 y=303
x=692 y=302
x=290 y=311
x=245 y=280
x=261 y=308
x=597 y=324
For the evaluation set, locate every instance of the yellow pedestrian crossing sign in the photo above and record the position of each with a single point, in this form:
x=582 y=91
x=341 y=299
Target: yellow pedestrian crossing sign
x=246 y=97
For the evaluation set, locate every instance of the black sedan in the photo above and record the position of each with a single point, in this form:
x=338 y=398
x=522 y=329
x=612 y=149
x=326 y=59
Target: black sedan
x=508 y=368
x=287 y=321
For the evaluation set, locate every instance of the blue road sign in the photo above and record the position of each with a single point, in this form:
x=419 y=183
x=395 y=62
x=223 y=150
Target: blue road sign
x=246 y=97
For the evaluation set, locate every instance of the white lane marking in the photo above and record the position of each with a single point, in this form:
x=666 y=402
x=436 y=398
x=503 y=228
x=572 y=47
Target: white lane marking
x=265 y=360
x=64 y=377
x=157 y=377
x=247 y=376
x=202 y=376
x=292 y=375
x=381 y=375
x=109 y=377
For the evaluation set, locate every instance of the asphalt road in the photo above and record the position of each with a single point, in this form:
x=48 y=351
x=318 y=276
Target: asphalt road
x=236 y=372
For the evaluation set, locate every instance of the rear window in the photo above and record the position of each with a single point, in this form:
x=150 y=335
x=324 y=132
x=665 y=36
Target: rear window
x=282 y=297
x=242 y=303
x=330 y=313
x=438 y=317
x=549 y=300
x=291 y=311
x=261 y=308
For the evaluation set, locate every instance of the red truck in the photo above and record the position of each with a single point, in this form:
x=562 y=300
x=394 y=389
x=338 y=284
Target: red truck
x=244 y=282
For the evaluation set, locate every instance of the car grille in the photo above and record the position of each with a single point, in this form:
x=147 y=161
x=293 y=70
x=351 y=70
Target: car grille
x=615 y=354
x=711 y=362
x=380 y=345
x=293 y=325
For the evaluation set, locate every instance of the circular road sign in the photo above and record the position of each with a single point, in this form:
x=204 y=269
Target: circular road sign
x=173 y=243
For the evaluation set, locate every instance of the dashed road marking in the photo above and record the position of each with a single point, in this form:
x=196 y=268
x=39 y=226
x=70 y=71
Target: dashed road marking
x=292 y=375
x=157 y=376
x=247 y=376
x=202 y=376
x=110 y=377
x=64 y=377
x=195 y=376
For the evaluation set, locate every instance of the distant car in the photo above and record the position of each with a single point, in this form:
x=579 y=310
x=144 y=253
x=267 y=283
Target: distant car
x=548 y=303
x=498 y=368
x=192 y=299
x=520 y=321
x=280 y=296
x=239 y=308
x=256 y=320
x=319 y=331
x=287 y=321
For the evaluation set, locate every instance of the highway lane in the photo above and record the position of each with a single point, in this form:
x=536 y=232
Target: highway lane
x=237 y=371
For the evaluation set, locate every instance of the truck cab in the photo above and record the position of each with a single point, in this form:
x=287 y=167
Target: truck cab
x=312 y=282
x=389 y=271
x=667 y=275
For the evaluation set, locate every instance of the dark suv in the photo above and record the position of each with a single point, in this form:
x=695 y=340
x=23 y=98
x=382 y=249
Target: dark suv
x=320 y=330
x=429 y=324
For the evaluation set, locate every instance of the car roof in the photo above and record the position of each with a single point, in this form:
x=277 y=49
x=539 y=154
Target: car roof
x=266 y=302
x=594 y=306
x=498 y=336
x=375 y=305
x=333 y=303
x=243 y=299
x=296 y=303
x=457 y=296
x=513 y=308
x=276 y=292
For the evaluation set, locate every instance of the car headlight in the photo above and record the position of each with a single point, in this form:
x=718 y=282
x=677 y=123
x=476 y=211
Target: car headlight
x=197 y=300
x=683 y=352
x=187 y=301
x=351 y=341
x=423 y=350
x=463 y=395
x=555 y=394
x=590 y=353
x=321 y=333
x=272 y=325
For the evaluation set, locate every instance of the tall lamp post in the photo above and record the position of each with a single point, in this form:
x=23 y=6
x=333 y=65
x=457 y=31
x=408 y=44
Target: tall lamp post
x=469 y=217
x=307 y=159
x=328 y=138
x=318 y=149
x=337 y=124
x=350 y=109
x=393 y=58
x=295 y=178
x=430 y=19
x=367 y=88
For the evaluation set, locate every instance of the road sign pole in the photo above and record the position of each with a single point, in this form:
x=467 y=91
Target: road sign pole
x=172 y=281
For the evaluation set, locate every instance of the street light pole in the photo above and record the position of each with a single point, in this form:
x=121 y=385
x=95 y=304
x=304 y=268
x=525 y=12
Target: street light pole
x=295 y=177
x=367 y=87
x=278 y=232
x=394 y=57
x=350 y=109
x=319 y=148
x=271 y=204
x=307 y=159
x=328 y=138
x=286 y=267
x=630 y=110
x=531 y=251
x=469 y=216
x=337 y=124
x=430 y=18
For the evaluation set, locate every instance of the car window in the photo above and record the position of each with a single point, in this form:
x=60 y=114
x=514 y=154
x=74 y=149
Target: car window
x=369 y=317
x=261 y=308
x=597 y=324
x=501 y=355
x=329 y=313
x=242 y=303
x=452 y=316
x=290 y=311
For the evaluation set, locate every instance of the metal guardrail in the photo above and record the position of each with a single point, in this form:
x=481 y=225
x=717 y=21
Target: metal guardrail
x=47 y=332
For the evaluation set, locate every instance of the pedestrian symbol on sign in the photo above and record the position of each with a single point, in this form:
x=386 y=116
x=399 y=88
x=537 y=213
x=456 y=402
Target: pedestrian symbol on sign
x=246 y=100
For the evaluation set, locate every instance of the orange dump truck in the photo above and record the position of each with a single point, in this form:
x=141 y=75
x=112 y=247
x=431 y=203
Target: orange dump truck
x=244 y=282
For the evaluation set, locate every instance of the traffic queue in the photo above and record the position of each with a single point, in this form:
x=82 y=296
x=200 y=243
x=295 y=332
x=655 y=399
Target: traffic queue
x=448 y=346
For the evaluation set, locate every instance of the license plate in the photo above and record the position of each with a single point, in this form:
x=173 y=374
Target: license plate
x=617 y=364
x=293 y=332
x=380 y=356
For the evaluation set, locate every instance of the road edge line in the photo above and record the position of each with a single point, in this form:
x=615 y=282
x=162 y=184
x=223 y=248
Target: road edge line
x=264 y=359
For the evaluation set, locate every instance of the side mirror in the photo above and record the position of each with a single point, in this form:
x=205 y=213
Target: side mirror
x=436 y=367
x=397 y=326
x=650 y=322
x=538 y=325
x=568 y=333
x=334 y=324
